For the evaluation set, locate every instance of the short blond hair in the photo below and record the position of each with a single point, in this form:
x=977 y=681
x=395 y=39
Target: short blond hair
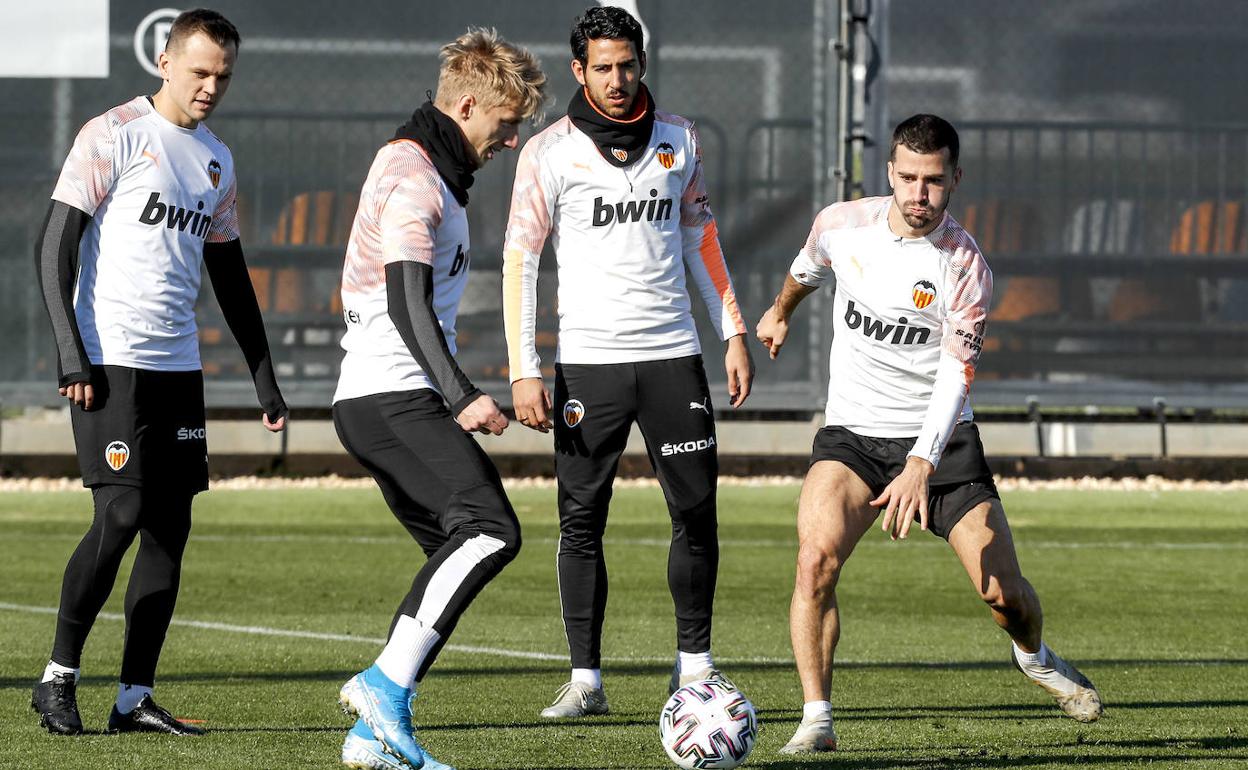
x=496 y=72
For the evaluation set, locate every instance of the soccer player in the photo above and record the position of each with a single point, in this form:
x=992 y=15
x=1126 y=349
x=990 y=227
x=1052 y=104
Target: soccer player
x=618 y=186
x=403 y=407
x=912 y=294
x=145 y=198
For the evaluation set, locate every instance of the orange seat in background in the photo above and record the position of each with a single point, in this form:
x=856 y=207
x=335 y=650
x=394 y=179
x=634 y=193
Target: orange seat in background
x=314 y=218
x=1002 y=228
x=1203 y=228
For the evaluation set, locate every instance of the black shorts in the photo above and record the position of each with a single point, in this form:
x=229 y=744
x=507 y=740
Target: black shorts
x=961 y=481
x=146 y=428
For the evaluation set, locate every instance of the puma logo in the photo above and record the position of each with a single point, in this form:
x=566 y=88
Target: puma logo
x=702 y=406
x=154 y=156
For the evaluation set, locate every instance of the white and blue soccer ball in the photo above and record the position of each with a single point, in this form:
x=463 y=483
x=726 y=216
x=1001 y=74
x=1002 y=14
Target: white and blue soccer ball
x=708 y=724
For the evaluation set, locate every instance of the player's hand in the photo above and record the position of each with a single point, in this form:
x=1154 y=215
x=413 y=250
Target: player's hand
x=740 y=367
x=532 y=403
x=772 y=330
x=80 y=393
x=271 y=426
x=483 y=416
x=903 y=496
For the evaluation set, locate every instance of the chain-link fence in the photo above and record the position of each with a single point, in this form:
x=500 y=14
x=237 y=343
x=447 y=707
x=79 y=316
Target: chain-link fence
x=319 y=86
x=1105 y=149
x=1105 y=156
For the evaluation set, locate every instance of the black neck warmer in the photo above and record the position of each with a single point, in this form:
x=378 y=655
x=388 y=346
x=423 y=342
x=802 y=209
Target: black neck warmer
x=621 y=142
x=447 y=148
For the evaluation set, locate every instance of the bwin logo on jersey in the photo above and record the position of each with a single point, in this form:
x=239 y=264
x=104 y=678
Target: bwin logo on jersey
x=901 y=333
x=654 y=210
x=680 y=447
x=176 y=217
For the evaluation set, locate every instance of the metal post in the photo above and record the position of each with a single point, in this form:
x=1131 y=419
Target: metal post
x=1033 y=413
x=1159 y=411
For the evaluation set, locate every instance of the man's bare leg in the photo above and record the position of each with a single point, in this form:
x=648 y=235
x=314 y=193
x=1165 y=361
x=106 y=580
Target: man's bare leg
x=832 y=516
x=985 y=546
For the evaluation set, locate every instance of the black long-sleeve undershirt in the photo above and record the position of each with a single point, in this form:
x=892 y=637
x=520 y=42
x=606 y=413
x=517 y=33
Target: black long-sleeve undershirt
x=227 y=270
x=409 y=301
x=56 y=256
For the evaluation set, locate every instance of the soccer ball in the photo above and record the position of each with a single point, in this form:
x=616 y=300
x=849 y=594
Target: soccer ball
x=708 y=724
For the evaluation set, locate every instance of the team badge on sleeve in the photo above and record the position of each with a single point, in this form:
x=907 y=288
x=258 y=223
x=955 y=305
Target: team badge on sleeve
x=117 y=454
x=924 y=294
x=667 y=155
x=214 y=172
x=573 y=413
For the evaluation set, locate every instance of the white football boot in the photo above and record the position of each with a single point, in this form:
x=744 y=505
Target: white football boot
x=813 y=735
x=577 y=699
x=1073 y=691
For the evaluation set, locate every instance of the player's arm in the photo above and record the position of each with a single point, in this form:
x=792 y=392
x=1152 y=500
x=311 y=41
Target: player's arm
x=704 y=259
x=227 y=271
x=409 y=301
x=811 y=268
x=88 y=176
x=970 y=287
x=409 y=220
x=57 y=254
x=528 y=225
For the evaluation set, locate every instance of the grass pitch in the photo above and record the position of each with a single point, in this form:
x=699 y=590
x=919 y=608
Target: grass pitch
x=286 y=593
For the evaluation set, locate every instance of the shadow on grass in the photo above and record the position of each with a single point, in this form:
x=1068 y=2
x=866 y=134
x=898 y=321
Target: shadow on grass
x=558 y=670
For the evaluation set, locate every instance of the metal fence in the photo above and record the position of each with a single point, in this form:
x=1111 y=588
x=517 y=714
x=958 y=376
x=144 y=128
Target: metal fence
x=1104 y=173
x=318 y=90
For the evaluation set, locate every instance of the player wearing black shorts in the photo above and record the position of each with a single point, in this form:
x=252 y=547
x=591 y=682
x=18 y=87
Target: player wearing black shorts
x=911 y=298
x=146 y=196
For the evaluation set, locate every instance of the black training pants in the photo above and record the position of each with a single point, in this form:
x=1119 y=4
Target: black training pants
x=595 y=407
x=443 y=489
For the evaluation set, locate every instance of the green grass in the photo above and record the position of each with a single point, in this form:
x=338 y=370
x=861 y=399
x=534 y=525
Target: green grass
x=1147 y=592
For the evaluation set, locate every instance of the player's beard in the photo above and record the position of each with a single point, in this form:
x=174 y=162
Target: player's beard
x=930 y=215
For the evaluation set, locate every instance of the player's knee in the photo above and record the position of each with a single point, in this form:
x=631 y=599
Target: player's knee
x=492 y=515
x=818 y=569
x=119 y=508
x=1007 y=595
x=697 y=519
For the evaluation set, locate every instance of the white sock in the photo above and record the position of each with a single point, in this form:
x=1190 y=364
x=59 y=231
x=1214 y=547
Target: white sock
x=129 y=696
x=55 y=668
x=589 y=676
x=1038 y=658
x=693 y=662
x=816 y=709
x=406 y=651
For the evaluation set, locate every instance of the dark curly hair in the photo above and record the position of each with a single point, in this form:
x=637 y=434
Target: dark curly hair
x=604 y=22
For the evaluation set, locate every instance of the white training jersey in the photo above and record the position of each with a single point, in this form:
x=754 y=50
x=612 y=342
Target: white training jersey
x=908 y=322
x=623 y=239
x=406 y=213
x=155 y=192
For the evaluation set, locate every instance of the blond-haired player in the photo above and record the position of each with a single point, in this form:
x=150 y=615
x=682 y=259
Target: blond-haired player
x=403 y=406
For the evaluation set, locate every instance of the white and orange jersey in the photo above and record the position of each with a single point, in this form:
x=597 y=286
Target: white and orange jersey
x=908 y=322
x=156 y=192
x=623 y=238
x=406 y=213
